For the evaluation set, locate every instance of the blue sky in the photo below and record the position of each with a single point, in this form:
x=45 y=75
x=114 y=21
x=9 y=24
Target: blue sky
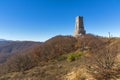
x=39 y=20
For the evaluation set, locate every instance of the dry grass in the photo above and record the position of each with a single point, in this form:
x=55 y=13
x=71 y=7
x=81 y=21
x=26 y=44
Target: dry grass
x=53 y=70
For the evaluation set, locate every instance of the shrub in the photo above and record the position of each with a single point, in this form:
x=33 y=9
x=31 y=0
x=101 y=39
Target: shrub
x=73 y=56
x=103 y=65
x=89 y=42
x=20 y=62
x=54 y=47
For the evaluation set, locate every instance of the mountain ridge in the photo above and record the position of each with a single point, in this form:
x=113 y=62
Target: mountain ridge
x=8 y=47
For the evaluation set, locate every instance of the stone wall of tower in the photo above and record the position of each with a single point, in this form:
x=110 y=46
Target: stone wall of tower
x=79 y=26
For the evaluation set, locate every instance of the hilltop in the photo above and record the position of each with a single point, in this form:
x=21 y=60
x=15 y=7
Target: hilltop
x=66 y=58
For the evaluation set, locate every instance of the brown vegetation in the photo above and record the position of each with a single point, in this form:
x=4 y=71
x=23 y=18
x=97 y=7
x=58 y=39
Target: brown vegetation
x=90 y=42
x=102 y=63
x=55 y=47
x=98 y=59
x=18 y=63
x=10 y=48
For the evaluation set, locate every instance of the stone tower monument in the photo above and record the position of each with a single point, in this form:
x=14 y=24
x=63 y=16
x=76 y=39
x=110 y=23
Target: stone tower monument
x=79 y=26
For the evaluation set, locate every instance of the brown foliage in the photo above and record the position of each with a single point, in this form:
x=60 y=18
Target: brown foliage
x=65 y=44
x=103 y=63
x=54 y=47
x=9 y=48
x=90 y=42
x=18 y=62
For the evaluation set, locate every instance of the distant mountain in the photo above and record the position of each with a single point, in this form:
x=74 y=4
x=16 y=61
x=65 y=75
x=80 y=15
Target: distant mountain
x=2 y=40
x=8 y=48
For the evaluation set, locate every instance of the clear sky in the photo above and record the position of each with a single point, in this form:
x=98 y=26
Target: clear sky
x=39 y=20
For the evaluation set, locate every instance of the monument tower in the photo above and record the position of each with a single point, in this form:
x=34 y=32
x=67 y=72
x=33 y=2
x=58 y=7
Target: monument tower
x=79 y=26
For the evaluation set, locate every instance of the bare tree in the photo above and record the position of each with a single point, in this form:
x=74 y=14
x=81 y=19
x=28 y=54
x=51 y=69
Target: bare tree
x=20 y=62
x=103 y=65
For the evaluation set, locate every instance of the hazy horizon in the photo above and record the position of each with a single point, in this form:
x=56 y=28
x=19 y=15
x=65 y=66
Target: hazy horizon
x=39 y=20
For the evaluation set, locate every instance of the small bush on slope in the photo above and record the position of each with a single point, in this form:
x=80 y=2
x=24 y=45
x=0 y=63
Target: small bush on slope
x=73 y=56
